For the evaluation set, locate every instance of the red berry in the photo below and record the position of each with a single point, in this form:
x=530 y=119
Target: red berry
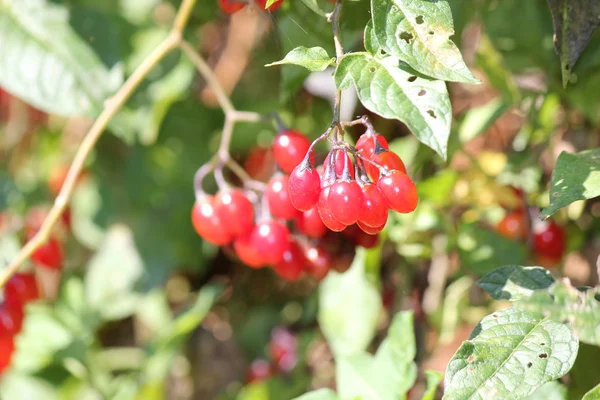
x=284 y=349
x=345 y=201
x=342 y=262
x=260 y=163
x=366 y=144
x=319 y=261
x=386 y=159
x=549 y=240
x=274 y=7
x=339 y=162
x=370 y=230
x=235 y=211
x=259 y=371
x=309 y=223
x=400 y=191
x=304 y=186
x=7 y=348
x=326 y=214
x=291 y=266
x=247 y=252
x=290 y=148
x=514 y=225
x=208 y=224
x=11 y=320
x=278 y=198
x=49 y=255
x=271 y=239
x=361 y=238
x=231 y=6
x=374 y=210
x=20 y=289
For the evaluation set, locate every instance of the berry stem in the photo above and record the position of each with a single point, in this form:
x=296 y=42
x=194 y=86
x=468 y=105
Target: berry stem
x=200 y=175
x=245 y=178
x=339 y=53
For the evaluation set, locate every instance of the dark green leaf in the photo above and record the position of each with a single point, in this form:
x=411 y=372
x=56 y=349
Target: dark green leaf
x=575 y=177
x=321 y=394
x=418 y=32
x=433 y=381
x=313 y=6
x=393 y=90
x=514 y=282
x=593 y=394
x=314 y=59
x=574 y=23
x=510 y=354
x=584 y=375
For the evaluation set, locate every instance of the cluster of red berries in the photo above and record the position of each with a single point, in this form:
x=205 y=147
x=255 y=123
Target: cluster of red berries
x=283 y=349
x=548 y=238
x=233 y=6
x=294 y=225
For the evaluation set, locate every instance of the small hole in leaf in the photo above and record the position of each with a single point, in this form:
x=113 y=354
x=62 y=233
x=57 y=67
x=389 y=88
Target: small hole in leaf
x=394 y=9
x=543 y=355
x=412 y=78
x=382 y=52
x=419 y=20
x=567 y=67
x=432 y=113
x=542 y=344
x=372 y=69
x=495 y=315
x=529 y=364
x=406 y=36
x=471 y=358
x=422 y=92
x=431 y=32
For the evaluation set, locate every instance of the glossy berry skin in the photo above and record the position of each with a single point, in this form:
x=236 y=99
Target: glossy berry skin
x=549 y=240
x=247 y=252
x=7 y=348
x=271 y=239
x=208 y=224
x=345 y=201
x=366 y=144
x=11 y=320
x=400 y=191
x=514 y=225
x=387 y=159
x=310 y=224
x=49 y=255
x=291 y=266
x=374 y=210
x=274 y=7
x=231 y=6
x=259 y=370
x=284 y=349
x=339 y=162
x=304 y=186
x=369 y=229
x=260 y=163
x=290 y=148
x=319 y=261
x=235 y=211
x=326 y=213
x=278 y=198
x=20 y=289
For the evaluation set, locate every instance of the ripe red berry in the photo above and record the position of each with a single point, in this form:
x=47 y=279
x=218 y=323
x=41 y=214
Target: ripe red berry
x=291 y=266
x=369 y=229
x=11 y=320
x=284 y=349
x=7 y=348
x=345 y=201
x=274 y=7
x=247 y=252
x=400 y=191
x=319 y=261
x=260 y=163
x=374 y=210
x=49 y=255
x=549 y=240
x=339 y=162
x=271 y=239
x=366 y=144
x=304 y=186
x=231 y=6
x=360 y=237
x=259 y=371
x=325 y=212
x=278 y=198
x=310 y=224
x=208 y=224
x=386 y=159
x=235 y=211
x=290 y=148
x=514 y=225
x=20 y=289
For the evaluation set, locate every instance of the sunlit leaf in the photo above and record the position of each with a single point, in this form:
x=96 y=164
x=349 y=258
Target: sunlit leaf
x=314 y=59
x=433 y=381
x=549 y=391
x=593 y=394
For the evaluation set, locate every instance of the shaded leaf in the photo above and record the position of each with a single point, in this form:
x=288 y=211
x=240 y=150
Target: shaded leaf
x=313 y=6
x=510 y=354
x=433 y=381
x=321 y=394
x=418 y=32
x=574 y=23
x=393 y=90
x=575 y=177
x=514 y=282
x=314 y=59
x=549 y=391
x=491 y=61
x=593 y=394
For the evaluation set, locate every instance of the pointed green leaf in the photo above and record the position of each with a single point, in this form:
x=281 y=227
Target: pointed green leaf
x=269 y=3
x=313 y=59
x=574 y=24
x=575 y=177
x=593 y=394
x=514 y=282
x=370 y=40
x=511 y=353
x=393 y=90
x=418 y=32
x=433 y=381
x=321 y=394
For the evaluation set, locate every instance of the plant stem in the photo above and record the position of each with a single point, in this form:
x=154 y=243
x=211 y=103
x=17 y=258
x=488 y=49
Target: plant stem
x=339 y=53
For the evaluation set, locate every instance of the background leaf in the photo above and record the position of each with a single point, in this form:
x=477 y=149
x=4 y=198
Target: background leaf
x=313 y=59
x=513 y=282
x=433 y=381
x=593 y=394
x=321 y=394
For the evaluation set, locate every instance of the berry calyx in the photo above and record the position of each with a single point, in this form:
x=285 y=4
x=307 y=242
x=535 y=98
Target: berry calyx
x=246 y=251
x=271 y=239
x=310 y=224
x=400 y=191
x=208 y=224
x=339 y=161
x=374 y=210
x=274 y=7
x=231 y=6
x=20 y=289
x=49 y=255
x=291 y=266
x=278 y=198
x=235 y=211
x=345 y=201
x=366 y=144
x=549 y=240
x=326 y=213
x=290 y=148
x=514 y=225
x=304 y=186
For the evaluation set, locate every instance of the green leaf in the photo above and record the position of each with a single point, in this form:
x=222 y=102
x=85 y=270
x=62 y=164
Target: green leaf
x=349 y=307
x=370 y=40
x=593 y=394
x=584 y=375
x=514 y=282
x=433 y=381
x=574 y=24
x=418 y=32
x=549 y=391
x=479 y=119
x=313 y=6
x=314 y=59
x=575 y=177
x=563 y=302
x=62 y=75
x=491 y=61
x=321 y=394
x=393 y=90
x=16 y=386
x=510 y=354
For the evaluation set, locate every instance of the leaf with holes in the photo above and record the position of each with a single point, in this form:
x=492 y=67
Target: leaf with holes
x=575 y=177
x=563 y=302
x=574 y=24
x=510 y=354
x=418 y=32
x=314 y=59
x=514 y=282
x=46 y=63
x=394 y=90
